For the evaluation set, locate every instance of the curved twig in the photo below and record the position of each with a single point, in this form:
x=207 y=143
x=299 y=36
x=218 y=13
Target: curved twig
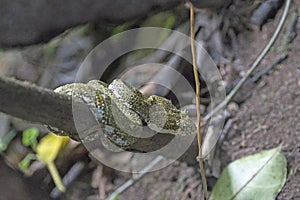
x=197 y=81
x=253 y=66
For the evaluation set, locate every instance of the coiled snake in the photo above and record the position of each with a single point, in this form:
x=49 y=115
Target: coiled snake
x=122 y=111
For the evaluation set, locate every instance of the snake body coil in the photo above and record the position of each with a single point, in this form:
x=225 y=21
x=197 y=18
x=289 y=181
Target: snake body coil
x=123 y=111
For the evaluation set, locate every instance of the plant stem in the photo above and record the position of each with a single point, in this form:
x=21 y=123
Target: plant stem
x=199 y=136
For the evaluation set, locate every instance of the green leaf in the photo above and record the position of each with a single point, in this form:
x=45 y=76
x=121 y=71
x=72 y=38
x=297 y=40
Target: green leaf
x=24 y=164
x=114 y=197
x=259 y=176
x=120 y=28
x=30 y=137
x=3 y=146
x=5 y=140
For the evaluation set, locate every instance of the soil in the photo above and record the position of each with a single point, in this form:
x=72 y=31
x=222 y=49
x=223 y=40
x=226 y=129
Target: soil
x=268 y=118
x=271 y=116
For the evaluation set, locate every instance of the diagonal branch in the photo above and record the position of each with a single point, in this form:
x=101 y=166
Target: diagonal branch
x=36 y=104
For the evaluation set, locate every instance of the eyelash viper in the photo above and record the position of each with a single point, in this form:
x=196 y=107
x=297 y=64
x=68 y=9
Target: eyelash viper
x=122 y=111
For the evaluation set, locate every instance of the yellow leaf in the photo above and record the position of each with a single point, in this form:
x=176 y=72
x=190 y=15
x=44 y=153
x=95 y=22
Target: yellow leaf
x=50 y=146
x=47 y=150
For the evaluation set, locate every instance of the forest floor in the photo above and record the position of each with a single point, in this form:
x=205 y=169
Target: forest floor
x=270 y=117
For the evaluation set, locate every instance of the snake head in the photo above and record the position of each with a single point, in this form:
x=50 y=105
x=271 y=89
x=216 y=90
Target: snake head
x=164 y=117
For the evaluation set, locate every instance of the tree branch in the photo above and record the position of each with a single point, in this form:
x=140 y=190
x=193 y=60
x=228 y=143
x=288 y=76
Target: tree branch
x=36 y=104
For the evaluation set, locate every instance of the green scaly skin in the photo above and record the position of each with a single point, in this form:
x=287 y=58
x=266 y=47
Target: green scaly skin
x=121 y=111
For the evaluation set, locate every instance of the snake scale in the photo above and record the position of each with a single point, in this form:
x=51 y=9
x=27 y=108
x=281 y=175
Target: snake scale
x=122 y=111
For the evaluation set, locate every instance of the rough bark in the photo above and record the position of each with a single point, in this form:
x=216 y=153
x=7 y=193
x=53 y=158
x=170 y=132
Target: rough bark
x=36 y=104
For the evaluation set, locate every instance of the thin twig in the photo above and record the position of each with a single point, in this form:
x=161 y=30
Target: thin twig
x=130 y=182
x=277 y=60
x=200 y=160
x=290 y=32
x=253 y=66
